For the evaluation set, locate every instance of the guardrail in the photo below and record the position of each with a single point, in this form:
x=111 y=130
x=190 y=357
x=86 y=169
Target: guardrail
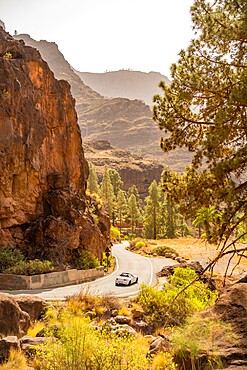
x=49 y=280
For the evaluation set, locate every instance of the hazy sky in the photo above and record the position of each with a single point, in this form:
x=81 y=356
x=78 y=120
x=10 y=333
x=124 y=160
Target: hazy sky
x=100 y=35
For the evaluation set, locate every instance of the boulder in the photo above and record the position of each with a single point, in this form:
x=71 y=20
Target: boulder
x=120 y=319
x=13 y=321
x=6 y=345
x=28 y=344
x=141 y=326
x=158 y=344
x=32 y=305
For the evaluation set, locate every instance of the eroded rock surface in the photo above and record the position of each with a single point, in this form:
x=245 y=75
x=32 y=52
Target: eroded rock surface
x=43 y=172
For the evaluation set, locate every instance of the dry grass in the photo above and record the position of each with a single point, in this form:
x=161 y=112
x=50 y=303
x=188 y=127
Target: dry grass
x=199 y=250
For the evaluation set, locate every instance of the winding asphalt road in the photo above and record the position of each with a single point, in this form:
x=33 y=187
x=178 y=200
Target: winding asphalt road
x=126 y=261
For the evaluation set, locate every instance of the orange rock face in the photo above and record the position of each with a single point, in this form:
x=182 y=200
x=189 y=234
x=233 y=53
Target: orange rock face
x=43 y=172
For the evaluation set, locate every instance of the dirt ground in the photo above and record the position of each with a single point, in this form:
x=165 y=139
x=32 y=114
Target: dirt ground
x=199 y=250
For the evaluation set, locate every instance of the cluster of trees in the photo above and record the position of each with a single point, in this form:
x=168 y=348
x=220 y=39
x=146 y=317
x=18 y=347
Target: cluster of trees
x=157 y=216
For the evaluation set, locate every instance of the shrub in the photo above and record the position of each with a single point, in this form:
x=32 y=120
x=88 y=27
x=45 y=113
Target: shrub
x=16 y=361
x=137 y=244
x=8 y=55
x=199 y=336
x=162 y=250
x=82 y=347
x=163 y=361
x=157 y=304
x=115 y=234
x=84 y=260
x=140 y=245
x=9 y=257
x=30 y=267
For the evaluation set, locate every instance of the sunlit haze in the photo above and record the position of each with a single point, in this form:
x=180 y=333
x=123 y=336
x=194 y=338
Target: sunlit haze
x=100 y=35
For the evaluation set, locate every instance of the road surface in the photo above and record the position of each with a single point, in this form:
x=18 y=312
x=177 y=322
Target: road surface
x=145 y=268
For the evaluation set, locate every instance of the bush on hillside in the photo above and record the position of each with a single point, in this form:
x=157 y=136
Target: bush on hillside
x=137 y=244
x=115 y=234
x=157 y=304
x=163 y=250
x=9 y=257
x=30 y=267
x=84 y=260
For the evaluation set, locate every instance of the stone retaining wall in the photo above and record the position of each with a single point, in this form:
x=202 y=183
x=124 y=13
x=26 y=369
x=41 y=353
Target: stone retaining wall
x=49 y=280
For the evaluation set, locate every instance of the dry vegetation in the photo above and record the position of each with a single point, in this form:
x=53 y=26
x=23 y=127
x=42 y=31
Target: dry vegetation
x=196 y=249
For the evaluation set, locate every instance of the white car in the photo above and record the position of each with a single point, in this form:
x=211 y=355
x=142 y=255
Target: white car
x=126 y=278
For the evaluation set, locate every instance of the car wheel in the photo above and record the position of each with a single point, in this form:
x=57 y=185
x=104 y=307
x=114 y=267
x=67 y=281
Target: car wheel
x=136 y=280
x=129 y=282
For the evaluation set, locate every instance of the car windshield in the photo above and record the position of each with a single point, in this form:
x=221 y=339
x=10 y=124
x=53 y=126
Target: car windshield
x=124 y=274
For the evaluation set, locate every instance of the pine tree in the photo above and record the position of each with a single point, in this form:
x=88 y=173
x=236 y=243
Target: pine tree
x=151 y=212
x=121 y=208
x=134 y=212
x=107 y=194
x=93 y=183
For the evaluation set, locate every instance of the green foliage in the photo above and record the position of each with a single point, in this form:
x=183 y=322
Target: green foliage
x=134 y=212
x=140 y=245
x=30 y=267
x=204 y=110
x=157 y=303
x=84 y=260
x=162 y=250
x=137 y=244
x=198 y=336
x=93 y=183
x=115 y=180
x=115 y=234
x=81 y=347
x=107 y=194
x=151 y=212
x=8 y=55
x=163 y=361
x=9 y=257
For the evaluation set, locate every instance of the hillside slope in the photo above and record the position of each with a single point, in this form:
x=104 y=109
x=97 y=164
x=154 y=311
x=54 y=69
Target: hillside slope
x=125 y=84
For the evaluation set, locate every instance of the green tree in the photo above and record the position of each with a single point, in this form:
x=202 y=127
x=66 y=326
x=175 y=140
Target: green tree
x=133 y=190
x=204 y=110
x=207 y=218
x=151 y=212
x=115 y=180
x=93 y=182
x=134 y=212
x=121 y=208
x=107 y=194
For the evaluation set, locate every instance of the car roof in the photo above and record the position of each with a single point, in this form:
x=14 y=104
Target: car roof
x=125 y=274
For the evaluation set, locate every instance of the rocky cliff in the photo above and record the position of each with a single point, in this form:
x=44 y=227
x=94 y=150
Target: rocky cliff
x=43 y=172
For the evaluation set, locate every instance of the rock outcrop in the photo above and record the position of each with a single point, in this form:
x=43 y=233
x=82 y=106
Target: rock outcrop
x=43 y=172
x=13 y=320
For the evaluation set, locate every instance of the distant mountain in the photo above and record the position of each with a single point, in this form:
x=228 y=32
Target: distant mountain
x=125 y=84
x=124 y=123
